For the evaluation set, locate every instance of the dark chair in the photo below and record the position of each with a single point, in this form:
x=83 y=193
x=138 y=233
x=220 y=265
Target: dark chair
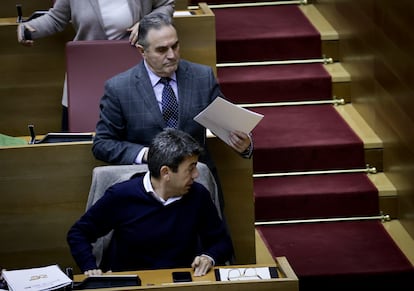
x=89 y=64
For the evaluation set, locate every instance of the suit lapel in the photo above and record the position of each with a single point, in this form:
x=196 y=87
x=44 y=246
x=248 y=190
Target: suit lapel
x=184 y=84
x=97 y=11
x=143 y=86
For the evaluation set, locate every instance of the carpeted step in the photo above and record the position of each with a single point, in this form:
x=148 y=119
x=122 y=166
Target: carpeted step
x=275 y=83
x=304 y=138
x=265 y=33
x=347 y=255
x=315 y=196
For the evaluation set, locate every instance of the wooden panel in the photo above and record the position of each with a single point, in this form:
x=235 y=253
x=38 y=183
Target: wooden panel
x=236 y=175
x=376 y=45
x=31 y=81
x=44 y=189
x=330 y=49
x=181 y=5
x=342 y=90
x=197 y=34
x=374 y=158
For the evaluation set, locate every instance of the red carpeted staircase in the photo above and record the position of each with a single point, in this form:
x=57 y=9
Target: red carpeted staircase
x=314 y=202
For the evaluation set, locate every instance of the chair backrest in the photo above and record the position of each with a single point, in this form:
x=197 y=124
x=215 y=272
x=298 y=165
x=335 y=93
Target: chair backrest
x=88 y=65
x=105 y=176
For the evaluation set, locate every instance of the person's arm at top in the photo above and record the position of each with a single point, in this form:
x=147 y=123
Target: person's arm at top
x=55 y=20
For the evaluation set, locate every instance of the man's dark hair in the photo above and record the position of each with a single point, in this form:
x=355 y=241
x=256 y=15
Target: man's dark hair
x=169 y=148
x=152 y=21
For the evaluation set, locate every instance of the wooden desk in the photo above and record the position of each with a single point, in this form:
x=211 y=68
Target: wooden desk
x=162 y=279
x=44 y=190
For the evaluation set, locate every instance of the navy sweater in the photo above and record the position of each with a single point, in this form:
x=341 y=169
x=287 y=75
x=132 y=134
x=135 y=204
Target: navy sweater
x=147 y=234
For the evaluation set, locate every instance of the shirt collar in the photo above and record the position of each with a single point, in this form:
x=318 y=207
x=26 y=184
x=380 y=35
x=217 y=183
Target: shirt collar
x=148 y=187
x=154 y=78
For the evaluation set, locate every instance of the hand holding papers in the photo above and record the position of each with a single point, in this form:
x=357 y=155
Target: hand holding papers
x=223 y=117
x=36 y=279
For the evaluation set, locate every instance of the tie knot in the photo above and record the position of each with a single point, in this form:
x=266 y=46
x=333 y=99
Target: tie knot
x=165 y=80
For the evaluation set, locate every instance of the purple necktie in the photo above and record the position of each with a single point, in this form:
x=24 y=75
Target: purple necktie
x=169 y=104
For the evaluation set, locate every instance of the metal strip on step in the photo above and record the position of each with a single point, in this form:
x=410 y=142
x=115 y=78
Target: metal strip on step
x=324 y=60
x=368 y=170
x=253 y=4
x=334 y=101
x=382 y=217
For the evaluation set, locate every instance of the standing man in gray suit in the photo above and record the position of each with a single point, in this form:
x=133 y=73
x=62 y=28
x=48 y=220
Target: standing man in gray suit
x=131 y=112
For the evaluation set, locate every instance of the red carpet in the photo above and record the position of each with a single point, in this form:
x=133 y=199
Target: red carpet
x=275 y=83
x=341 y=256
x=315 y=196
x=265 y=33
x=302 y=138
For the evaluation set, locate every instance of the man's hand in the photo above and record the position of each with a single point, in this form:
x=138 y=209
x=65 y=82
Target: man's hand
x=94 y=272
x=21 y=37
x=201 y=265
x=133 y=37
x=239 y=141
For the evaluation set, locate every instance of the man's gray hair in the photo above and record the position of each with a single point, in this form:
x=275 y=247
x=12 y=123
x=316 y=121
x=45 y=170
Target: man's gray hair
x=152 y=21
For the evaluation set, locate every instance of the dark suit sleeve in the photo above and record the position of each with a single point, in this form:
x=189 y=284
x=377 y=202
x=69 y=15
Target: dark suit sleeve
x=111 y=143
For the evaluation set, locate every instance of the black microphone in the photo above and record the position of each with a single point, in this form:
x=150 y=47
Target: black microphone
x=19 y=13
x=32 y=134
x=26 y=33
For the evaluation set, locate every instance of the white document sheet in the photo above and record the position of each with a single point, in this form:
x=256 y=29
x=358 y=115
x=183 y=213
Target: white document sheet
x=240 y=274
x=222 y=117
x=36 y=279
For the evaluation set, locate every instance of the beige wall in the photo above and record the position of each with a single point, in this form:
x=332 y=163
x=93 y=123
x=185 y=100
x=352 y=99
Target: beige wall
x=376 y=46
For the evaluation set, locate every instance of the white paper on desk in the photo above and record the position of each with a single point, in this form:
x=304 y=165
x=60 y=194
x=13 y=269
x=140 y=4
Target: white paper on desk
x=182 y=13
x=36 y=279
x=222 y=117
x=241 y=274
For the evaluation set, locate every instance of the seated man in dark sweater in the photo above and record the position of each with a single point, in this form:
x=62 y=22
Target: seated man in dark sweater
x=160 y=220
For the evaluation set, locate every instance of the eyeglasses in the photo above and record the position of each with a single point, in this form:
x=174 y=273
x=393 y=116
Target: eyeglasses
x=243 y=274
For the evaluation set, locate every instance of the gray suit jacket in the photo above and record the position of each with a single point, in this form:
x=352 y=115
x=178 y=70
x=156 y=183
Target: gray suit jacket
x=130 y=116
x=86 y=18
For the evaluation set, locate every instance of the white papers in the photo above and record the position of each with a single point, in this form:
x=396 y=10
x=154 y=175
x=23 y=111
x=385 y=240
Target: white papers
x=223 y=117
x=182 y=13
x=36 y=279
x=239 y=274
